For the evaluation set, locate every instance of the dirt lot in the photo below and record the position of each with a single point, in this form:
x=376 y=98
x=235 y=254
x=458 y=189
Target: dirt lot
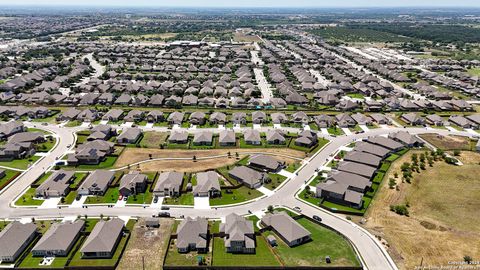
x=153 y=139
x=443 y=223
x=150 y=244
x=448 y=142
x=133 y=155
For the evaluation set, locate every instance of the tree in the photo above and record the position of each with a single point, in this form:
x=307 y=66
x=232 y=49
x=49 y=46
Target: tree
x=270 y=209
x=456 y=152
x=194 y=158
x=467 y=259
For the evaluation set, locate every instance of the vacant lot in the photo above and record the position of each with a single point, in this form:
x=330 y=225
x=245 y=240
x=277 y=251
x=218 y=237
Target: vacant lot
x=153 y=139
x=133 y=155
x=443 y=222
x=448 y=142
x=150 y=244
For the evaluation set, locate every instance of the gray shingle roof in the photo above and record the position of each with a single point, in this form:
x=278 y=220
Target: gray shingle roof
x=104 y=236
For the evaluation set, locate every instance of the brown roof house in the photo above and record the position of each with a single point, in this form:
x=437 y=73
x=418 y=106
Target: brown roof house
x=92 y=152
x=14 y=239
x=169 y=184
x=192 y=235
x=133 y=183
x=96 y=183
x=306 y=138
x=103 y=240
x=239 y=234
x=59 y=239
x=227 y=138
x=249 y=177
x=266 y=163
x=129 y=136
x=56 y=185
x=292 y=233
x=207 y=185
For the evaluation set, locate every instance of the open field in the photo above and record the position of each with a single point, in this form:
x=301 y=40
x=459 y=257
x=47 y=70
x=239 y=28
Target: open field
x=133 y=155
x=151 y=244
x=242 y=37
x=153 y=139
x=448 y=142
x=443 y=222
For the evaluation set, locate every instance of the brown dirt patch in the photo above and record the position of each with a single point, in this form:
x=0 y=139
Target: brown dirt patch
x=133 y=155
x=448 y=142
x=443 y=222
x=149 y=244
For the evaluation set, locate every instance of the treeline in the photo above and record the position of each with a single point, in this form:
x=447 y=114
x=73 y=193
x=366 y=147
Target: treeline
x=439 y=33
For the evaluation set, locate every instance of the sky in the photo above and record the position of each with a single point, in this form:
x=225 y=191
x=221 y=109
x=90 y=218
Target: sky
x=251 y=3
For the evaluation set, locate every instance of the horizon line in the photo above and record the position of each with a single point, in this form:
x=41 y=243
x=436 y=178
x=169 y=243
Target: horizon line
x=236 y=7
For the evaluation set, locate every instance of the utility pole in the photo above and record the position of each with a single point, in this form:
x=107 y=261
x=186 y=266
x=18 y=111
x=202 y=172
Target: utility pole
x=143 y=262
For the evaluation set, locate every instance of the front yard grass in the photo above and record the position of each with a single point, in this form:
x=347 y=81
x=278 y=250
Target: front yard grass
x=184 y=199
x=238 y=195
x=141 y=198
x=9 y=176
x=276 y=180
x=111 y=196
x=108 y=163
x=263 y=255
x=325 y=242
x=335 y=131
x=28 y=199
x=292 y=167
x=21 y=164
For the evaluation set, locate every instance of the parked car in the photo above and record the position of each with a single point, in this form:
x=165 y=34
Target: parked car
x=155 y=199
x=297 y=209
x=317 y=218
x=164 y=214
x=165 y=208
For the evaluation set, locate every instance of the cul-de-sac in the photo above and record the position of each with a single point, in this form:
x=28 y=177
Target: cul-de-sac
x=215 y=135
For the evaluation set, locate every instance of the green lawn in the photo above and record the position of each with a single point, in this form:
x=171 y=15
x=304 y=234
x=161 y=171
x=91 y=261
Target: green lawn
x=335 y=131
x=277 y=179
x=111 y=196
x=9 y=176
x=46 y=146
x=78 y=261
x=142 y=198
x=263 y=255
x=175 y=258
x=28 y=199
x=324 y=242
x=58 y=262
x=42 y=178
x=238 y=195
x=474 y=71
x=292 y=167
x=108 y=163
x=184 y=199
x=20 y=163
x=356 y=95
x=74 y=123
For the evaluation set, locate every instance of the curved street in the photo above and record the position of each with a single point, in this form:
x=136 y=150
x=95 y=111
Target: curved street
x=372 y=253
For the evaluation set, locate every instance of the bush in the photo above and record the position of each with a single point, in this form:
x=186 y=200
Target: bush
x=456 y=153
x=399 y=209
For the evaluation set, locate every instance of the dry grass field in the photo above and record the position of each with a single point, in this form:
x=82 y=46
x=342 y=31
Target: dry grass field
x=133 y=155
x=443 y=223
x=448 y=142
x=149 y=244
x=242 y=37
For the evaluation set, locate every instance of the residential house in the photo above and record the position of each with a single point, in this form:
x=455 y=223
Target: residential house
x=218 y=118
x=412 y=119
x=59 y=239
x=239 y=118
x=101 y=132
x=227 y=138
x=113 y=115
x=252 y=137
x=134 y=116
x=96 y=183
x=169 y=184
x=266 y=163
x=197 y=118
x=10 y=128
x=155 y=116
x=192 y=235
x=132 y=183
x=175 y=118
x=275 y=137
x=14 y=239
x=56 y=185
x=291 y=232
x=207 y=185
x=129 y=136
x=249 y=177
x=239 y=234
x=306 y=138
x=203 y=138
x=103 y=240
x=92 y=152
x=435 y=120
x=178 y=137
x=300 y=118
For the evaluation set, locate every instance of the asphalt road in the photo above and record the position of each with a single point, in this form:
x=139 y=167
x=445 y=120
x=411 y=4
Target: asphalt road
x=373 y=254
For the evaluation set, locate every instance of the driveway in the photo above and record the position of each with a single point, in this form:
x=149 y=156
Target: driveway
x=201 y=203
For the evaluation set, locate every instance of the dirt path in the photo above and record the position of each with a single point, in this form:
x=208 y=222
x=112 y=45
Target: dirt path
x=134 y=155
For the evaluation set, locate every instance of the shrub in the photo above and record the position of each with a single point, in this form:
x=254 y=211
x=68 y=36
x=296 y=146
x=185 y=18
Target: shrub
x=399 y=209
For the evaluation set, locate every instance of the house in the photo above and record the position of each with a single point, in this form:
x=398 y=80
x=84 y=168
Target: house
x=207 y=185
x=155 y=116
x=178 y=137
x=259 y=117
x=134 y=116
x=175 y=118
x=96 y=183
x=227 y=138
x=291 y=232
x=203 y=138
x=363 y=158
x=27 y=137
x=344 y=188
x=197 y=118
x=324 y=121
x=192 y=235
x=275 y=137
x=92 y=152
x=279 y=118
x=380 y=119
x=10 y=128
x=361 y=119
x=11 y=151
x=169 y=184
x=113 y=115
x=129 y=136
x=218 y=118
x=344 y=120
x=412 y=119
x=252 y=137
x=59 y=239
x=103 y=240
x=462 y=122
x=14 y=239
x=56 y=185
x=239 y=118
x=406 y=139
x=88 y=115
x=266 y=163
x=372 y=149
x=132 y=183
x=306 y=138
x=390 y=144
x=357 y=168
x=249 y=177
x=101 y=132
x=239 y=234
x=435 y=119
x=70 y=114
x=300 y=118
